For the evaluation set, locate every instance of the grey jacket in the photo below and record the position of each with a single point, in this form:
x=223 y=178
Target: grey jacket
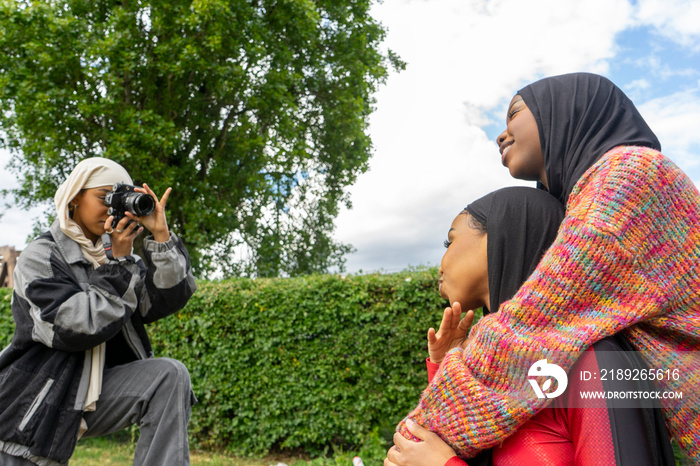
x=63 y=307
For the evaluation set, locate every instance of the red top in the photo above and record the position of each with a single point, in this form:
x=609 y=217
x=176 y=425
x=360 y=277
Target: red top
x=556 y=434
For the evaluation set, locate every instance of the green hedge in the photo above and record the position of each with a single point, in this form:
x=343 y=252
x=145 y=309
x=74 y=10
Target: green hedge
x=7 y=324
x=307 y=364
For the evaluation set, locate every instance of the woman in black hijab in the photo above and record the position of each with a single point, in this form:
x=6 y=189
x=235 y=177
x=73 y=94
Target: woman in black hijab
x=493 y=245
x=625 y=260
x=580 y=117
x=520 y=226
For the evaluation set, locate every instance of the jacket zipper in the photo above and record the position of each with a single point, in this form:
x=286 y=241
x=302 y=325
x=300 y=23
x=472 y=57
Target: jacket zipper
x=127 y=331
x=35 y=405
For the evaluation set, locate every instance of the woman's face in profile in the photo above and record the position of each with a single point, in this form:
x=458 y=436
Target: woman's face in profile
x=519 y=144
x=464 y=267
x=90 y=212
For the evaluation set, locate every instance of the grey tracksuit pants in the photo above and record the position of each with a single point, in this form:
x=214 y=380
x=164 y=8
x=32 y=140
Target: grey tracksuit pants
x=154 y=394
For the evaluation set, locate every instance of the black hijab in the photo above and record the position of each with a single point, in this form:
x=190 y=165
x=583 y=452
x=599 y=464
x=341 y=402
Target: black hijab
x=580 y=117
x=521 y=223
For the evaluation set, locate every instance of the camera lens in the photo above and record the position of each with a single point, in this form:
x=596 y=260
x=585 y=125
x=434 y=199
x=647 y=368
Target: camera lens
x=140 y=204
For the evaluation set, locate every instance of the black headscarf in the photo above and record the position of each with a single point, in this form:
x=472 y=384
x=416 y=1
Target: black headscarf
x=580 y=117
x=521 y=223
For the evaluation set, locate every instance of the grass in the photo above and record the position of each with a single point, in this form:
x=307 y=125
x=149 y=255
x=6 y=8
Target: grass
x=111 y=452
x=107 y=451
x=118 y=450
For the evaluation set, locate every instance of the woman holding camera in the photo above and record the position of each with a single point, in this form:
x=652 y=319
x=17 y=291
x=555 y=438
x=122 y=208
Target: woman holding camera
x=80 y=362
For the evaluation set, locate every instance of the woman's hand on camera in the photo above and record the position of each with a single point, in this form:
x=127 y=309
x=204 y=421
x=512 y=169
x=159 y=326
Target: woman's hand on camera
x=156 y=222
x=123 y=235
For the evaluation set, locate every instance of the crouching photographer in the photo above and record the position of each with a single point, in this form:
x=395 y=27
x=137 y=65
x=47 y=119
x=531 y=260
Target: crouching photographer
x=80 y=362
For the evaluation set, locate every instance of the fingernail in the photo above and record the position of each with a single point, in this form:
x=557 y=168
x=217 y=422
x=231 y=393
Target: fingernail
x=410 y=422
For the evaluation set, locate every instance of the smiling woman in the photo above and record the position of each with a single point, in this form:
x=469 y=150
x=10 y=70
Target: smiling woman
x=624 y=263
x=519 y=144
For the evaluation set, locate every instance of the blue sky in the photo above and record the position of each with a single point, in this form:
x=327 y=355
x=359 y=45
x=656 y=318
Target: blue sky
x=648 y=66
x=435 y=123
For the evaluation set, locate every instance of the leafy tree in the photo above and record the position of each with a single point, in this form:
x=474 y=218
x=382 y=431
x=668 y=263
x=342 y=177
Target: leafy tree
x=254 y=111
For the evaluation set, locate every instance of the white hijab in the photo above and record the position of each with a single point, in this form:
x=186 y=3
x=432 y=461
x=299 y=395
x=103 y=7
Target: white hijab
x=90 y=173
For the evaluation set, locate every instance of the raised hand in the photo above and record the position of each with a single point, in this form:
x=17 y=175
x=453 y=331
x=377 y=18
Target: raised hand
x=452 y=332
x=156 y=222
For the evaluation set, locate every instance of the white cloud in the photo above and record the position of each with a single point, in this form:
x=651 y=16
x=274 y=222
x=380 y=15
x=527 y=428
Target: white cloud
x=676 y=20
x=431 y=157
x=638 y=84
x=655 y=66
x=486 y=49
x=465 y=60
x=675 y=119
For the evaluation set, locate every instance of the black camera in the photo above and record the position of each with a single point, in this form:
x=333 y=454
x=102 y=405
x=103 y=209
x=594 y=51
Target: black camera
x=123 y=198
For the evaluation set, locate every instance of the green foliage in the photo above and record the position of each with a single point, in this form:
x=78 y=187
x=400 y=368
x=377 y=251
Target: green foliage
x=255 y=112
x=312 y=363
x=322 y=364
x=7 y=323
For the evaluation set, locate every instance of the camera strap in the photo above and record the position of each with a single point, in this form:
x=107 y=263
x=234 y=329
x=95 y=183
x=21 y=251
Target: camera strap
x=107 y=244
